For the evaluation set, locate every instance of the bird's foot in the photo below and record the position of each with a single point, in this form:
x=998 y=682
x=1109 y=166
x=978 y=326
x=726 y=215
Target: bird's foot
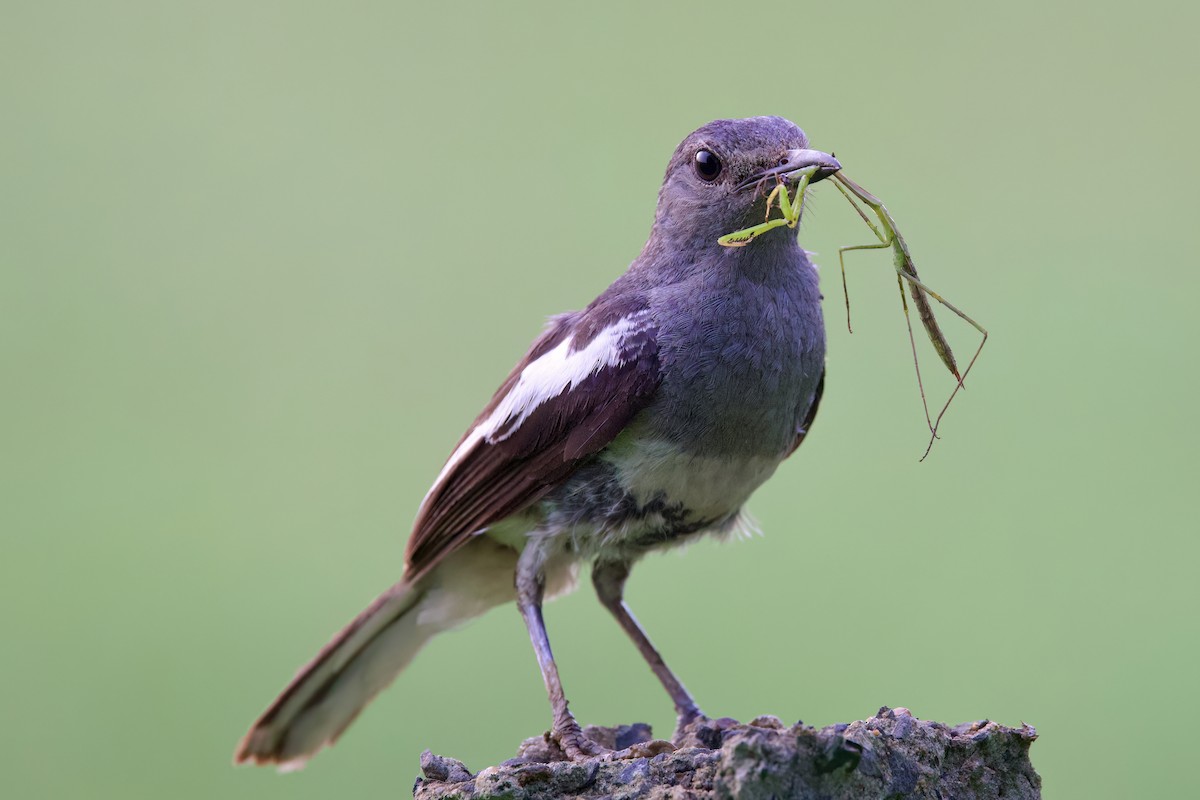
x=698 y=730
x=685 y=721
x=571 y=739
x=577 y=747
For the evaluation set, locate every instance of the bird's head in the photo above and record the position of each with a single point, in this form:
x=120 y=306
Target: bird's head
x=719 y=177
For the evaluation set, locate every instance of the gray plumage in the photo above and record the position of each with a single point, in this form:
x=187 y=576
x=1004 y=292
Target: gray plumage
x=646 y=418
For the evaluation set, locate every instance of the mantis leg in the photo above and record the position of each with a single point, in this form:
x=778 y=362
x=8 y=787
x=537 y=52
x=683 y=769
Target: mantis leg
x=912 y=343
x=744 y=237
x=773 y=196
x=913 y=280
x=982 y=330
x=906 y=271
x=791 y=212
x=842 y=263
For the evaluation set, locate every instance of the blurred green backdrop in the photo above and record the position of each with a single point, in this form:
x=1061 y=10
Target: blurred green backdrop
x=262 y=263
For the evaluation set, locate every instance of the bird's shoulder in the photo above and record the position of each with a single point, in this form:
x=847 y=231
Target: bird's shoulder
x=579 y=385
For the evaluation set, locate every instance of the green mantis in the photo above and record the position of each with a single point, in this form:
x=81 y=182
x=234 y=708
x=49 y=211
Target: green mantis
x=791 y=212
x=888 y=236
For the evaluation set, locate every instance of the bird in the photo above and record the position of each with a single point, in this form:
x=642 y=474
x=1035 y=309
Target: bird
x=642 y=422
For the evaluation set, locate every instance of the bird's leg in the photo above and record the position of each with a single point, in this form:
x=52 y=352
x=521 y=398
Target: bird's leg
x=531 y=585
x=609 y=579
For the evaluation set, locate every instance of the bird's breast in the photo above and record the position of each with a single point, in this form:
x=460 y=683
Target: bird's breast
x=740 y=364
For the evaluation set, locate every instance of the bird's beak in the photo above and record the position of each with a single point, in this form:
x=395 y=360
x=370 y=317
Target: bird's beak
x=792 y=164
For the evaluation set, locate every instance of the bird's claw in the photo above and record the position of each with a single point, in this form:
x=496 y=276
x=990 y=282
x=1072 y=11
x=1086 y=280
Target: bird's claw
x=683 y=722
x=577 y=747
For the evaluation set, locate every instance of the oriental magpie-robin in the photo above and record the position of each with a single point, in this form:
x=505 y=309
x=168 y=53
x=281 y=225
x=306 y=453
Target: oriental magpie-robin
x=643 y=421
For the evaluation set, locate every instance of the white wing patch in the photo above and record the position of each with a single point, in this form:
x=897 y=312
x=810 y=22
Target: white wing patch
x=542 y=380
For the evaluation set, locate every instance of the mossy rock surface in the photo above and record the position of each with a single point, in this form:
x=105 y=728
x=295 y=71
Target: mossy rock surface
x=891 y=755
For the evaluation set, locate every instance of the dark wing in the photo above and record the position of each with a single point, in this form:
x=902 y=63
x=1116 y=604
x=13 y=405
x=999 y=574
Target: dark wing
x=802 y=431
x=578 y=387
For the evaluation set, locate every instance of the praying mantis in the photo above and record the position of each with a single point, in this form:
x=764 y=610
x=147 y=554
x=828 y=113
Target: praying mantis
x=888 y=235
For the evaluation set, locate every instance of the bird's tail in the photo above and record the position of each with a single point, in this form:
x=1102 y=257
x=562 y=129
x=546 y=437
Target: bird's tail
x=367 y=655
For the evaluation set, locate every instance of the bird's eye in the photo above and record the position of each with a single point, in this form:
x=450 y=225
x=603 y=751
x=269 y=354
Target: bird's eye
x=708 y=166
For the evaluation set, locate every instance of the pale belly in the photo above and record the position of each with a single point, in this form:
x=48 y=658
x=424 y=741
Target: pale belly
x=705 y=487
x=639 y=494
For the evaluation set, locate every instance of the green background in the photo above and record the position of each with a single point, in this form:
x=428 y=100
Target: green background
x=263 y=262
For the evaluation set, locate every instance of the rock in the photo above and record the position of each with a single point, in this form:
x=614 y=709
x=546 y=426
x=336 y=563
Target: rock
x=891 y=755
